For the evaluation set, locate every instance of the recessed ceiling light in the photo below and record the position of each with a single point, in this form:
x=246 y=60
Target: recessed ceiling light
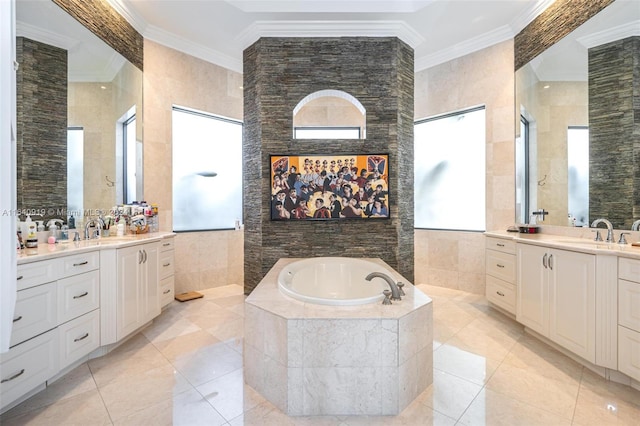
x=546 y=86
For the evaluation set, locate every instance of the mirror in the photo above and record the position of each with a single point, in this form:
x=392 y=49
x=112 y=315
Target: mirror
x=329 y=114
x=102 y=157
x=553 y=140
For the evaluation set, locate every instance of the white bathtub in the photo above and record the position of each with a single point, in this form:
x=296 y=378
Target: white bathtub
x=333 y=281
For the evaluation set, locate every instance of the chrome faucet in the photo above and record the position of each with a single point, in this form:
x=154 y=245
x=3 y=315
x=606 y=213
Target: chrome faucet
x=597 y=222
x=395 y=292
x=636 y=225
x=96 y=223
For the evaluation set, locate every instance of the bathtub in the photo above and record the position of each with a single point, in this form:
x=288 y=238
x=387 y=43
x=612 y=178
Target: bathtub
x=336 y=281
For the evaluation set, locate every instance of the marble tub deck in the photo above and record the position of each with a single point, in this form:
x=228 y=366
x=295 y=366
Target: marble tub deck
x=309 y=359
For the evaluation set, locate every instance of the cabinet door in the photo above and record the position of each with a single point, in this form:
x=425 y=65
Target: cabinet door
x=129 y=292
x=532 y=308
x=572 y=298
x=150 y=301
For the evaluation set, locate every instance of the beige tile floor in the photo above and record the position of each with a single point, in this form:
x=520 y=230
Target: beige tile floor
x=186 y=369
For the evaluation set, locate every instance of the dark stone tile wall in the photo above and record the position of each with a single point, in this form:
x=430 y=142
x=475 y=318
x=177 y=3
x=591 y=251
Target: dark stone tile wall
x=278 y=73
x=105 y=22
x=614 y=132
x=41 y=88
x=558 y=20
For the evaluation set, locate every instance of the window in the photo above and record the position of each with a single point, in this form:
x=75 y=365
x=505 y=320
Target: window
x=522 y=172
x=450 y=171
x=578 y=175
x=75 y=169
x=326 y=133
x=130 y=160
x=207 y=171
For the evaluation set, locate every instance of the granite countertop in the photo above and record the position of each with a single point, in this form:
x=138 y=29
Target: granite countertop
x=46 y=251
x=583 y=245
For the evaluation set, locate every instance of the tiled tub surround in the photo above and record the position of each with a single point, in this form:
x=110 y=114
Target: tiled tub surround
x=311 y=359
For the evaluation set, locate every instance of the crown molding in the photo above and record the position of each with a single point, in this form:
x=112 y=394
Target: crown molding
x=329 y=6
x=133 y=18
x=329 y=29
x=620 y=32
x=45 y=36
x=464 y=48
x=529 y=15
x=183 y=45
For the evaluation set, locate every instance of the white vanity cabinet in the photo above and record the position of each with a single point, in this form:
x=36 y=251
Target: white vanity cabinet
x=629 y=317
x=138 y=300
x=167 y=271
x=556 y=296
x=500 y=264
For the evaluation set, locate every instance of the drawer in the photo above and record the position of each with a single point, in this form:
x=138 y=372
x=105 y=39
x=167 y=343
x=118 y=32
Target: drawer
x=35 y=312
x=501 y=293
x=501 y=265
x=166 y=264
x=36 y=273
x=629 y=269
x=166 y=291
x=629 y=352
x=79 y=337
x=78 y=295
x=27 y=366
x=499 y=244
x=629 y=304
x=79 y=263
x=167 y=244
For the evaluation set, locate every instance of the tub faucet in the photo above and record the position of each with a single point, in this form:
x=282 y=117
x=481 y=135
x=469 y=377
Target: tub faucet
x=609 y=228
x=635 y=226
x=395 y=292
x=96 y=223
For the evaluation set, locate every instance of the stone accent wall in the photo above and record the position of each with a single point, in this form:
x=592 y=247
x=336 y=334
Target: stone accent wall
x=41 y=82
x=558 y=20
x=278 y=73
x=105 y=22
x=614 y=139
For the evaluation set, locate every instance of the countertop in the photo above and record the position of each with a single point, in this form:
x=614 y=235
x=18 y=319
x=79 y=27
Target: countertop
x=46 y=251
x=564 y=242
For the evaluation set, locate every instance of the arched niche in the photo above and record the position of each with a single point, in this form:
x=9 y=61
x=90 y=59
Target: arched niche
x=331 y=114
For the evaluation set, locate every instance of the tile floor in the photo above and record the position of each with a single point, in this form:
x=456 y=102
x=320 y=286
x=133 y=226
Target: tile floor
x=186 y=369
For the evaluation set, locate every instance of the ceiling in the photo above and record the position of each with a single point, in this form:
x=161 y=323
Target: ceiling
x=438 y=30
x=219 y=30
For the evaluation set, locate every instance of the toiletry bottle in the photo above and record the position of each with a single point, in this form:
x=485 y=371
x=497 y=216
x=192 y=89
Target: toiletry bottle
x=64 y=233
x=32 y=236
x=40 y=225
x=72 y=222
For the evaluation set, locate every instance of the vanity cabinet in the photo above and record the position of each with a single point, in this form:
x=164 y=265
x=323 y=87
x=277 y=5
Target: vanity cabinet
x=556 y=296
x=56 y=321
x=629 y=317
x=500 y=264
x=138 y=300
x=167 y=271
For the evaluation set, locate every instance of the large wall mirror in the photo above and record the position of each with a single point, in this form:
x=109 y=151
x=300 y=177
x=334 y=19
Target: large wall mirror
x=101 y=152
x=555 y=144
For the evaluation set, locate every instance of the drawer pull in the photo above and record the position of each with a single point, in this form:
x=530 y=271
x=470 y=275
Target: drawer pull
x=19 y=278
x=500 y=244
x=499 y=293
x=81 y=338
x=499 y=265
x=81 y=263
x=17 y=319
x=15 y=376
x=81 y=295
x=166 y=264
x=166 y=244
x=167 y=291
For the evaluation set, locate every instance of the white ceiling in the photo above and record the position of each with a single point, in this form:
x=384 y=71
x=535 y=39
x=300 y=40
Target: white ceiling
x=219 y=30
x=438 y=30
